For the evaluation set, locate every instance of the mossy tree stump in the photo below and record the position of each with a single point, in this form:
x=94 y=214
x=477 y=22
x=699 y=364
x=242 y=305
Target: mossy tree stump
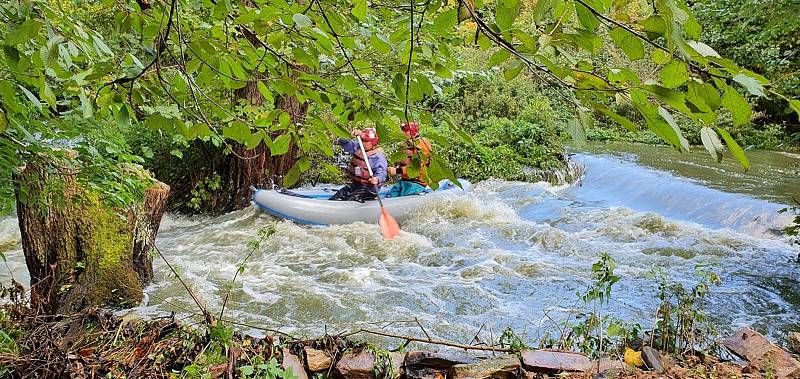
x=81 y=252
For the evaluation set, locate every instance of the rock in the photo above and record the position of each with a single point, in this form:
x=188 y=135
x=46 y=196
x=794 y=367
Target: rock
x=436 y=359
x=356 y=366
x=361 y=365
x=292 y=362
x=422 y=372
x=555 y=361
x=762 y=354
x=317 y=360
x=652 y=359
x=794 y=342
x=604 y=365
x=503 y=367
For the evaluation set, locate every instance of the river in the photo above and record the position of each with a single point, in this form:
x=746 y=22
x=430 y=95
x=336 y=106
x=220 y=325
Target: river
x=507 y=254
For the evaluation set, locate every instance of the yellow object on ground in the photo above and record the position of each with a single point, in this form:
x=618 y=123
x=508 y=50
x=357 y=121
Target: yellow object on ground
x=633 y=357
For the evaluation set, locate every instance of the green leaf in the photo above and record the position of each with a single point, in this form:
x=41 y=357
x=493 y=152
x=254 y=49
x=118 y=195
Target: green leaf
x=301 y=20
x=280 y=145
x=360 y=9
x=380 y=43
x=122 y=117
x=292 y=176
x=684 y=144
x=674 y=74
x=46 y=93
x=506 y=12
x=654 y=24
x=25 y=32
x=265 y=92
x=737 y=105
x=3 y=122
x=586 y=17
x=86 y=105
x=712 y=143
x=445 y=22
x=31 y=97
x=752 y=85
x=628 y=124
x=735 y=149
x=513 y=69
x=576 y=131
x=237 y=131
x=795 y=104
x=660 y=57
x=101 y=46
x=673 y=98
x=703 y=49
x=630 y=44
x=498 y=57
x=246 y=370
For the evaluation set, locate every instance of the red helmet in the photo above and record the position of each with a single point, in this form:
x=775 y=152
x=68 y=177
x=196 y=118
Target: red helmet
x=411 y=126
x=369 y=135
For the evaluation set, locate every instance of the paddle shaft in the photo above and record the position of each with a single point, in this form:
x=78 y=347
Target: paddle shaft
x=369 y=168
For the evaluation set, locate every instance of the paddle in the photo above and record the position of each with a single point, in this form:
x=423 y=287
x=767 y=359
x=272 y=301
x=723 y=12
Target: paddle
x=387 y=223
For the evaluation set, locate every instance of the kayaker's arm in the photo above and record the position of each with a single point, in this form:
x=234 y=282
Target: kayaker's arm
x=348 y=145
x=379 y=164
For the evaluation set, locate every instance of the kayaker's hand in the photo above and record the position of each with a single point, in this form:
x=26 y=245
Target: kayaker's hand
x=392 y=171
x=355 y=133
x=373 y=180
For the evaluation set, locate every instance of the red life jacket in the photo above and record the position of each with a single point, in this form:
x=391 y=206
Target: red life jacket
x=411 y=149
x=357 y=170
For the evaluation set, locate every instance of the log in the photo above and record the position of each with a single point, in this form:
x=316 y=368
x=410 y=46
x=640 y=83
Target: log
x=81 y=252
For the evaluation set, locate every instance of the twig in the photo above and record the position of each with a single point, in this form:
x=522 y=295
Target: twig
x=268 y=231
x=208 y=318
x=429 y=341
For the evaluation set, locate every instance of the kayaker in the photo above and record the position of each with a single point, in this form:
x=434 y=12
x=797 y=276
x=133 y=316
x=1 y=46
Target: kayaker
x=363 y=185
x=412 y=146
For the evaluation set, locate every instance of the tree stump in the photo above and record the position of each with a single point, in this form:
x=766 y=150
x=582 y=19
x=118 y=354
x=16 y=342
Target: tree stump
x=80 y=252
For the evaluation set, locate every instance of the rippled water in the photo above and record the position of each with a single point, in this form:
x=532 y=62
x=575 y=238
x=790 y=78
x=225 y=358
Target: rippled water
x=507 y=254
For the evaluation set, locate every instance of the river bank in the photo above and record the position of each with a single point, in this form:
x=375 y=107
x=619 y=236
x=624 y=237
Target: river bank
x=95 y=343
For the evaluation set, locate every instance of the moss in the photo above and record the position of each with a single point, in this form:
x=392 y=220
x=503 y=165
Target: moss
x=107 y=253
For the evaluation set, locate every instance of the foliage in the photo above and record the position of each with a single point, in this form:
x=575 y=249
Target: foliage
x=793 y=230
x=682 y=323
x=514 y=127
x=74 y=73
x=596 y=334
x=761 y=36
x=258 y=369
x=383 y=367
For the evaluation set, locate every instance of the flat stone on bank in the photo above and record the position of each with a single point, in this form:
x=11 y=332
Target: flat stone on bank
x=436 y=359
x=360 y=365
x=555 y=361
x=292 y=362
x=356 y=366
x=317 y=360
x=762 y=354
x=503 y=367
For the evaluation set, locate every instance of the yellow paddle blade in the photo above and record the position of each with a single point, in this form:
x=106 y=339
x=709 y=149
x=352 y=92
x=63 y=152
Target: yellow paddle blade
x=388 y=224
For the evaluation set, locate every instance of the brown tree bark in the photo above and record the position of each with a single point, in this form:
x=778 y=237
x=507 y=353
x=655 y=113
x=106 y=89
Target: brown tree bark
x=79 y=251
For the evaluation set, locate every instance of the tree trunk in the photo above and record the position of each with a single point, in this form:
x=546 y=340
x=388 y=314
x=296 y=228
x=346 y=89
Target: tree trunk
x=79 y=251
x=257 y=167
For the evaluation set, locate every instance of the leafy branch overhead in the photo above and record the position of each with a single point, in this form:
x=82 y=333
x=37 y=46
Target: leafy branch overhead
x=176 y=67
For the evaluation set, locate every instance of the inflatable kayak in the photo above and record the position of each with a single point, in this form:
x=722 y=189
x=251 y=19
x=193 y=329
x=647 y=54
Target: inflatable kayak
x=313 y=207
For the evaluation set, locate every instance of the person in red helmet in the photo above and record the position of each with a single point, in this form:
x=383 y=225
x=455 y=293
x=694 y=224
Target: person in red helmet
x=414 y=147
x=362 y=186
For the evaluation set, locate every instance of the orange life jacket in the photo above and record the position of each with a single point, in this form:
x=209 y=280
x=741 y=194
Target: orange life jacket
x=358 y=170
x=411 y=149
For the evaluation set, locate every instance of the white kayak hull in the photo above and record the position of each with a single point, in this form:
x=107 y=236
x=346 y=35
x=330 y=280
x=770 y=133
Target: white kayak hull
x=313 y=207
